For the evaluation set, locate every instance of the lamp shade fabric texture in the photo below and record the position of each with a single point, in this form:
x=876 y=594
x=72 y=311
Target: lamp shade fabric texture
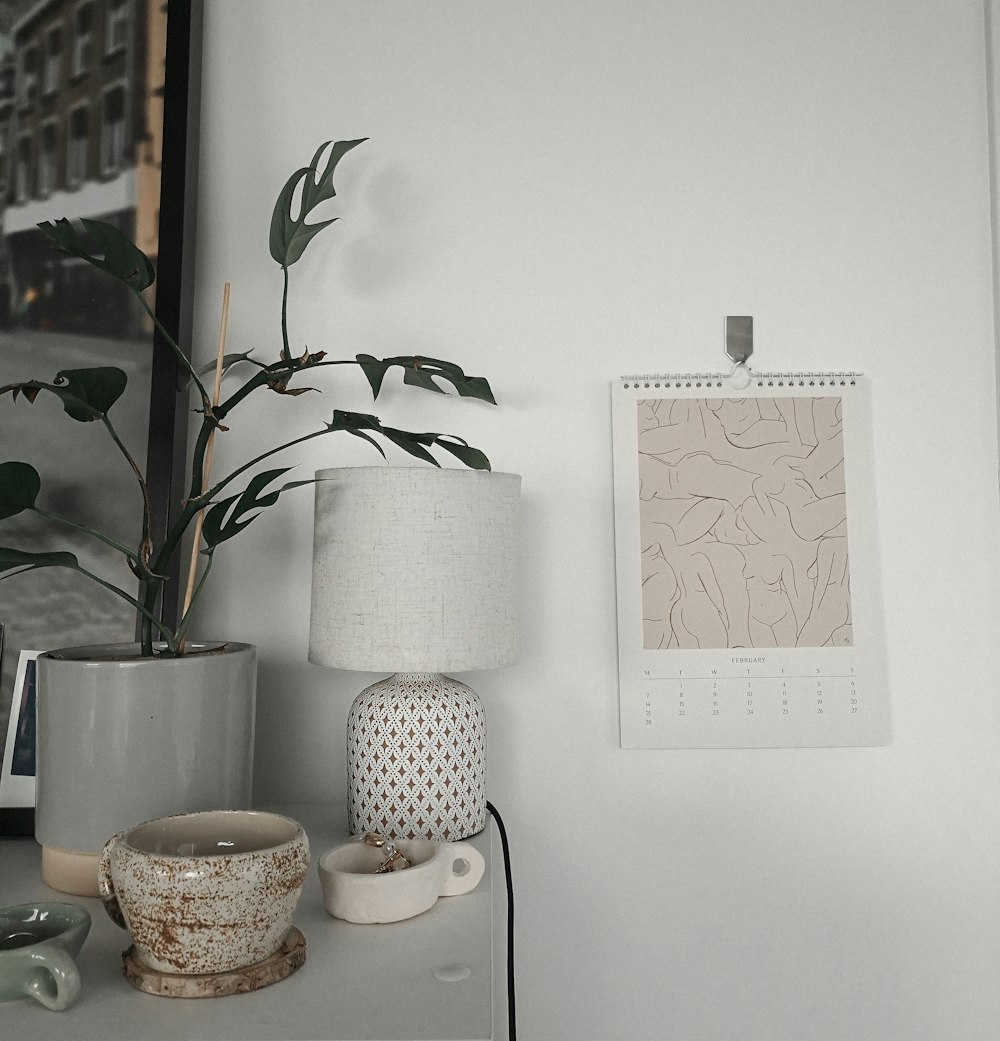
x=414 y=569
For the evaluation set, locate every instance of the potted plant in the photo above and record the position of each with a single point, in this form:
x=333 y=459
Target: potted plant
x=130 y=732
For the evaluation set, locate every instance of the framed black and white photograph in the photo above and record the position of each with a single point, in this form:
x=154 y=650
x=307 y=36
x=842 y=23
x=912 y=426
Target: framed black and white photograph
x=95 y=97
x=17 y=772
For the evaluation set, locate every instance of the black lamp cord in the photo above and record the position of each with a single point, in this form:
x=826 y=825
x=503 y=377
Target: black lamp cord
x=511 y=1023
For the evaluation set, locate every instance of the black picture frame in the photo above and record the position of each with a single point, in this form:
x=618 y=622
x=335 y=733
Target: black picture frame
x=168 y=406
x=52 y=608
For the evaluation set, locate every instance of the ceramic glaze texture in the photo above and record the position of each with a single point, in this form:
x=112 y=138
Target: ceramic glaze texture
x=193 y=908
x=123 y=739
x=416 y=758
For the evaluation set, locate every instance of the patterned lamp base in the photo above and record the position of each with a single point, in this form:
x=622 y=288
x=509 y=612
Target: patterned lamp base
x=416 y=758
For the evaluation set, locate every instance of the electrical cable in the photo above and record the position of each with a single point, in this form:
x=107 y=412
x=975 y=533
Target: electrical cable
x=511 y=1021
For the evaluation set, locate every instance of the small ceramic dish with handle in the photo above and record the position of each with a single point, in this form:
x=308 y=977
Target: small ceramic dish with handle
x=356 y=890
x=39 y=944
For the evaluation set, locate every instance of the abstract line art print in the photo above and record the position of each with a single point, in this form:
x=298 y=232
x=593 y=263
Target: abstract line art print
x=743 y=522
x=747 y=563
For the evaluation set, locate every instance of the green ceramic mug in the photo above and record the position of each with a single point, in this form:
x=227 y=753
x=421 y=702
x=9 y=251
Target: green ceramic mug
x=38 y=947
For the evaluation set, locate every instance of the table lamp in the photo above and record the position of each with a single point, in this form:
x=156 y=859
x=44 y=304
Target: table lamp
x=414 y=574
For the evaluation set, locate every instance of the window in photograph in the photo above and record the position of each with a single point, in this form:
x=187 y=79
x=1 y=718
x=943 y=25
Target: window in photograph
x=47 y=160
x=117 y=25
x=28 y=86
x=53 y=59
x=113 y=130
x=76 y=146
x=83 y=38
x=22 y=187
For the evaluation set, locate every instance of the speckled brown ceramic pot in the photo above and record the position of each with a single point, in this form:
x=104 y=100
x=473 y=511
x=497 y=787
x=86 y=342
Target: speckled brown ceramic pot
x=206 y=892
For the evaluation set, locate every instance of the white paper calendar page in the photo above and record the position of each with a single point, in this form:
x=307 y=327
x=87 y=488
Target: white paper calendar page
x=749 y=605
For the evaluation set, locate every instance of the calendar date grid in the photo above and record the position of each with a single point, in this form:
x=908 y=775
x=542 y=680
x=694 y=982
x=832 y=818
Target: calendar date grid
x=787 y=694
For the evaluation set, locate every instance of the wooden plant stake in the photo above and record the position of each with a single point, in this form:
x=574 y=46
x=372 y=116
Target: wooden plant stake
x=216 y=391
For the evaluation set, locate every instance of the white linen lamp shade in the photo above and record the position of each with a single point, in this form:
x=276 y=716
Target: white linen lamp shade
x=414 y=573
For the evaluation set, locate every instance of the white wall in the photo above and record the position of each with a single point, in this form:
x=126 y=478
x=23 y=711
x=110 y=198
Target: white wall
x=555 y=193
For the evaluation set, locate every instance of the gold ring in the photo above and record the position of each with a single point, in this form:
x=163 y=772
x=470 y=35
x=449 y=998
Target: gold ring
x=395 y=861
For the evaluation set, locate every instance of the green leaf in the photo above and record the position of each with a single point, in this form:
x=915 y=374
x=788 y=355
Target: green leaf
x=86 y=394
x=465 y=453
x=289 y=237
x=415 y=444
x=424 y=372
x=97 y=389
x=19 y=487
x=12 y=558
x=475 y=387
x=421 y=378
x=290 y=234
x=320 y=188
x=371 y=440
x=228 y=361
x=412 y=444
x=116 y=253
x=466 y=386
x=353 y=422
x=226 y=517
x=374 y=370
x=357 y=423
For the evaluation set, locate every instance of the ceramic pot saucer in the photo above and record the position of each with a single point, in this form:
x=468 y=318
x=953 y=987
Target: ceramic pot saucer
x=286 y=960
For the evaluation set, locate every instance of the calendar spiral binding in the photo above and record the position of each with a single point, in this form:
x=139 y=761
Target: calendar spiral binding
x=655 y=381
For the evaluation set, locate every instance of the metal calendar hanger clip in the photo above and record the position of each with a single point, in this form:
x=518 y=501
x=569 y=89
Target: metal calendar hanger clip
x=739 y=347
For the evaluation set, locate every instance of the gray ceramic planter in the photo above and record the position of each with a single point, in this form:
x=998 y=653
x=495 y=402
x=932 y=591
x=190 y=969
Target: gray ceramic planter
x=123 y=739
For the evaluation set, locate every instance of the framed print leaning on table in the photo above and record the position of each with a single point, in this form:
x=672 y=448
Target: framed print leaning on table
x=17 y=768
x=95 y=126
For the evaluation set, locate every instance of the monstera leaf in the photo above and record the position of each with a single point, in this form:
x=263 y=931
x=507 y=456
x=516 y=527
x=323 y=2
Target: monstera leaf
x=116 y=254
x=463 y=452
x=424 y=372
x=19 y=487
x=88 y=391
x=291 y=234
x=17 y=558
x=229 y=516
x=363 y=426
x=86 y=394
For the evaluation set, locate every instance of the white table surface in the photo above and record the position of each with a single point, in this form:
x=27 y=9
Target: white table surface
x=358 y=983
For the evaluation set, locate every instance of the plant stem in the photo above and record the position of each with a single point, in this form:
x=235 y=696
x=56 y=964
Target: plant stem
x=181 y=356
x=106 y=539
x=268 y=375
x=198 y=454
x=159 y=563
x=185 y=621
x=146 y=543
x=148 y=617
x=286 y=352
x=213 y=491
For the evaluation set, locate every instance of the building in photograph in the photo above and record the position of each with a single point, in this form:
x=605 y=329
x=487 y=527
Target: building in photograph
x=81 y=107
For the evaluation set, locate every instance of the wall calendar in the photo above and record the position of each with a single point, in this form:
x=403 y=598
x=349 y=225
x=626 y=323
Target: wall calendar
x=749 y=604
